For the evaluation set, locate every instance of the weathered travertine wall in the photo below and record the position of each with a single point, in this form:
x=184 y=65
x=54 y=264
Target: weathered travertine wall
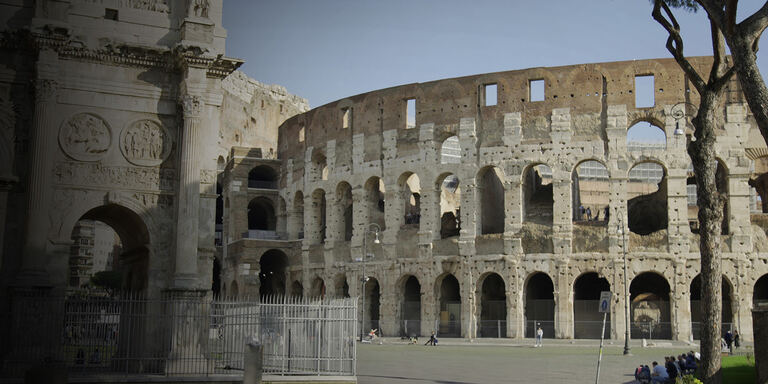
x=356 y=143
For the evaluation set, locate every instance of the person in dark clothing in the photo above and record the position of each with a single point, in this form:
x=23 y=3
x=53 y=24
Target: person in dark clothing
x=432 y=340
x=736 y=339
x=671 y=369
x=729 y=340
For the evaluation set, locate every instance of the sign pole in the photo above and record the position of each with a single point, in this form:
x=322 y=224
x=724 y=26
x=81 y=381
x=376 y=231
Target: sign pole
x=600 y=355
x=605 y=303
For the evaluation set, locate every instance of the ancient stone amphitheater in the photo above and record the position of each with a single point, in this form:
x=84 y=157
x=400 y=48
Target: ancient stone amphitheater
x=489 y=205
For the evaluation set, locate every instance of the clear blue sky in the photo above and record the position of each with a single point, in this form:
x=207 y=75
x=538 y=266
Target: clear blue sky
x=325 y=50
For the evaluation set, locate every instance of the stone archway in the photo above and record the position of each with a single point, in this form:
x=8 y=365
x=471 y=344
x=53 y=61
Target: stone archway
x=650 y=309
x=131 y=268
x=272 y=273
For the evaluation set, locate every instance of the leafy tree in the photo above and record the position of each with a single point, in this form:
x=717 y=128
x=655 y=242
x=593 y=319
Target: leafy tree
x=108 y=280
x=702 y=153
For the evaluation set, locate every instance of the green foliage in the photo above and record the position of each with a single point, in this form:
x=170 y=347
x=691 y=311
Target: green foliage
x=108 y=280
x=688 y=379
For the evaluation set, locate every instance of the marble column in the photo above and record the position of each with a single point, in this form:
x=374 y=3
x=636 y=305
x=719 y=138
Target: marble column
x=33 y=271
x=185 y=276
x=6 y=183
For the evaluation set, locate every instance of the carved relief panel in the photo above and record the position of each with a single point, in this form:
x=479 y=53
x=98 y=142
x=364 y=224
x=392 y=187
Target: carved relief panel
x=146 y=143
x=85 y=137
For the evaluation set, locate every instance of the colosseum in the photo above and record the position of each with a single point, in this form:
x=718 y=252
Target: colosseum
x=488 y=205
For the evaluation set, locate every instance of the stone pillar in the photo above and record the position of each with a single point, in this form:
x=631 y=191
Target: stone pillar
x=514 y=215
x=6 y=183
x=188 y=208
x=562 y=225
x=760 y=326
x=332 y=220
x=388 y=312
x=680 y=316
x=516 y=302
x=43 y=137
x=428 y=309
x=469 y=219
x=563 y=302
x=468 y=301
x=677 y=211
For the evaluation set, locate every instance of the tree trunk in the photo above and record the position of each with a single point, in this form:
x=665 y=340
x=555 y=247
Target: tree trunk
x=752 y=84
x=702 y=153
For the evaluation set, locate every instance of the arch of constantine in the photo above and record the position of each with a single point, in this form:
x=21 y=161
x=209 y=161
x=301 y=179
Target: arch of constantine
x=487 y=205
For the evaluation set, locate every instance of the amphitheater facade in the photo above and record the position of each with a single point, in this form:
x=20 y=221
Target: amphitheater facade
x=462 y=199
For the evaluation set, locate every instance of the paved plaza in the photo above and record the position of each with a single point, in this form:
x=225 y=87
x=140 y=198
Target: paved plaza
x=459 y=362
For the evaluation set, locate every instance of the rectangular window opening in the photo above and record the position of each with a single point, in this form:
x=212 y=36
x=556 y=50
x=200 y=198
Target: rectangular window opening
x=346 y=117
x=537 y=90
x=491 y=94
x=410 y=113
x=301 y=135
x=644 y=95
x=110 y=14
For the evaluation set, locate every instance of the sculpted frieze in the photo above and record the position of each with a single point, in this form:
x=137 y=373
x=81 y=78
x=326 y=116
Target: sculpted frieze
x=153 y=200
x=89 y=174
x=146 y=5
x=208 y=176
x=199 y=8
x=85 y=137
x=146 y=143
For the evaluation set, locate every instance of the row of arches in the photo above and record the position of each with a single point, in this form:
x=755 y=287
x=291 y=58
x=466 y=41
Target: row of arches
x=646 y=192
x=651 y=311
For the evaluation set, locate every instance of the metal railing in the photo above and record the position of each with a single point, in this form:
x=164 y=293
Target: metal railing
x=651 y=330
x=261 y=234
x=171 y=336
x=696 y=329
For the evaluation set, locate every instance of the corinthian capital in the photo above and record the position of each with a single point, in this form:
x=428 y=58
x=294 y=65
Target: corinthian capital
x=192 y=105
x=45 y=90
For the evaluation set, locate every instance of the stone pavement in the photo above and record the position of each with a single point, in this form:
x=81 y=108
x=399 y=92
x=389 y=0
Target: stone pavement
x=458 y=361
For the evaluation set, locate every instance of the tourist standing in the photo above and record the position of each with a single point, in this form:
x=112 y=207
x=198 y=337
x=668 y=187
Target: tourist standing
x=539 y=336
x=736 y=339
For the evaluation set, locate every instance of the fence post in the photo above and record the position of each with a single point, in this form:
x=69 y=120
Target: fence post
x=253 y=363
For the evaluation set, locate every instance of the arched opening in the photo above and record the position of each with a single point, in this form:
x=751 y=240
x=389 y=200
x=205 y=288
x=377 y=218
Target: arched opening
x=493 y=307
x=297 y=290
x=490 y=193
x=298 y=214
x=758 y=183
x=726 y=311
x=649 y=294
x=411 y=194
x=587 y=320
x=320 y=166
x=262 y=222
x=411 y=308
x=647 y=198
x=318 y=217
x=341 y=286
x=645 y=135
x=344 y=205
x=760 y=293
x=262 y=176
x=374 y=193
x=272 y=276
x=591 y=190
x=450 y=151
x=721 y=183
x=221 y=164
x=537 y=194
x=372 y=304
x=450 y=206
x=318 y=288
x=539 y=305
x=450 y=307
x=110 y=250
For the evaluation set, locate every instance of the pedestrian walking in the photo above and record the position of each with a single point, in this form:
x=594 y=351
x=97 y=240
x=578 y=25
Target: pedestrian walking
x=539 y=336
x=432 y=340
x=736 y=339
x=589 y=214
x=729 y=341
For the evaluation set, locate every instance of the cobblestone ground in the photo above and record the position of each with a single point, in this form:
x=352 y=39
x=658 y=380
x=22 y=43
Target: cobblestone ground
x=488 y=363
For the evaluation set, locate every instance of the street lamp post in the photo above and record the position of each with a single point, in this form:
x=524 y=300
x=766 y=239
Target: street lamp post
x=627 y=349
x=374 y=229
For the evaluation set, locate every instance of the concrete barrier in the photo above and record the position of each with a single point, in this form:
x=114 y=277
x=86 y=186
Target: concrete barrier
x=253 y=363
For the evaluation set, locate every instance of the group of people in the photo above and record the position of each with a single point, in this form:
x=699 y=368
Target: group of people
x=731 y=340
x=586 y=214
x=673 y=368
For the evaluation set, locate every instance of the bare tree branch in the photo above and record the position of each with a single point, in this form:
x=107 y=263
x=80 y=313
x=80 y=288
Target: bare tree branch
x=675 y=42
x=754 y=25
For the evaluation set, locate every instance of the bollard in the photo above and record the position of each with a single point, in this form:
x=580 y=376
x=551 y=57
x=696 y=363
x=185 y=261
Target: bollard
x=253 y=363
x=760 y=327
